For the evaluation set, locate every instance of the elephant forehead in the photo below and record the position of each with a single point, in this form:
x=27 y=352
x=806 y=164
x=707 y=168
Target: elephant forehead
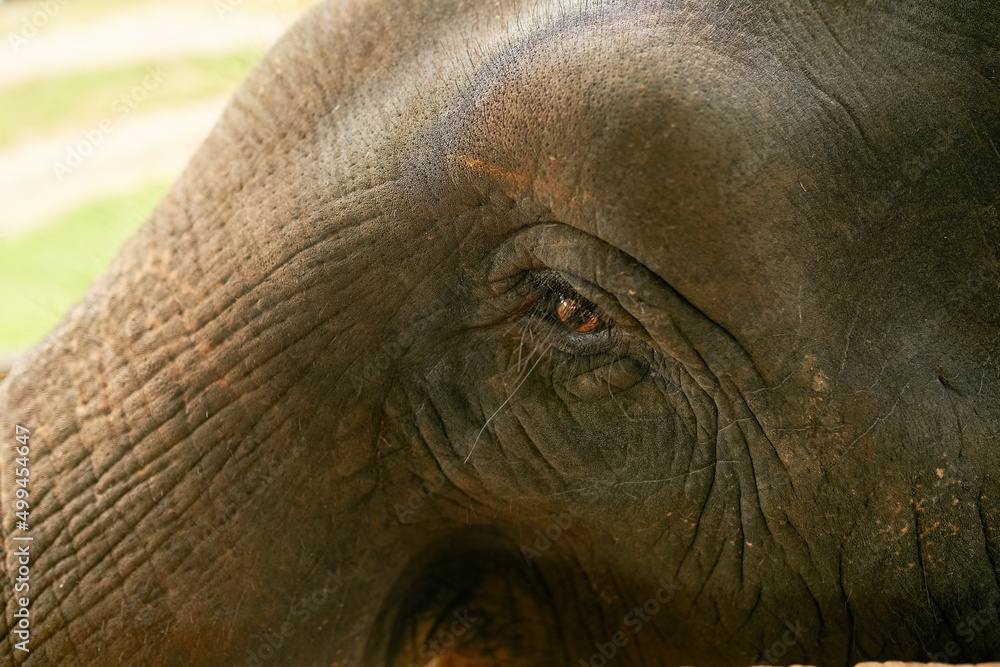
x=648 y=133
x=571 y=111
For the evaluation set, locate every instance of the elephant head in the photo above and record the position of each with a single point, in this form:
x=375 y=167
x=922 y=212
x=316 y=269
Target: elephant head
x=541 y=333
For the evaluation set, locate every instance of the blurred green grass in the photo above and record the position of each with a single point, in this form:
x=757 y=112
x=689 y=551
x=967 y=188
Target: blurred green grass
x=44 y=271
x=84 y=99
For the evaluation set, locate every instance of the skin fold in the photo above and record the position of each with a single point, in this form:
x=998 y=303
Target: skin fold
x=543 y=333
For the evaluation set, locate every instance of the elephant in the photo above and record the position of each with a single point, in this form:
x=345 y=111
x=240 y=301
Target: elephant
x=540 y=332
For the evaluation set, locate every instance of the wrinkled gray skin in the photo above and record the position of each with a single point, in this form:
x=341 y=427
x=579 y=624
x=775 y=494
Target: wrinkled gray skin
x=332 y=387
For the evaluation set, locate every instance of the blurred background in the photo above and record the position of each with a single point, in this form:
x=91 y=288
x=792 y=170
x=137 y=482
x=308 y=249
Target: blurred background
x=102 y=102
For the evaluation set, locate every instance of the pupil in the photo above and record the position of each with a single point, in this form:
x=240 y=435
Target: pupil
x=566 y=309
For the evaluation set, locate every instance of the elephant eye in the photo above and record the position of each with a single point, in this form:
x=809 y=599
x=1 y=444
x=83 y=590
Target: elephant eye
x=580 y=315
x=561 y=304
x=552 y=313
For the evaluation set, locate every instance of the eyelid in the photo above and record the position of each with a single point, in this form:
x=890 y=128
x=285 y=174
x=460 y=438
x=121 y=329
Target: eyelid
x=577 y=259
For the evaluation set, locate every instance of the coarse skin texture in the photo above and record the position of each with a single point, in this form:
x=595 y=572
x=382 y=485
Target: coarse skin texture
x=538 y=333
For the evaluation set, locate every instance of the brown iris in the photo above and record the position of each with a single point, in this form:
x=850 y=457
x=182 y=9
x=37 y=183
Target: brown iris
x=578 y=316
